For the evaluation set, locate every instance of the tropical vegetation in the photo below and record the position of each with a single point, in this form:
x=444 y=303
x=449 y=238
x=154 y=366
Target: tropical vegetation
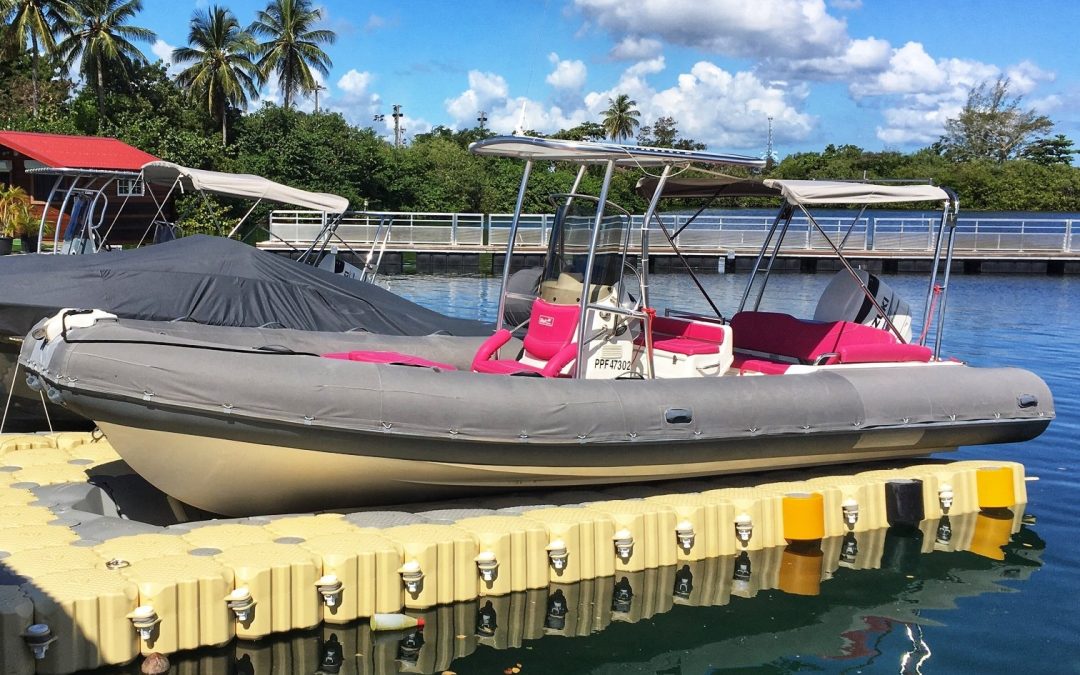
x=221 y=73
x=621 y=118
x=292 y=47
x=997 y=153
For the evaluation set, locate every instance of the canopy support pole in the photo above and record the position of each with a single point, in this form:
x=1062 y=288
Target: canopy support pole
x=643 y=273
x=772 y=260
x=241 y=221
x=785 y=212
x=161 y=207
x=855 y=276
x=586 y=292
x=499 y=319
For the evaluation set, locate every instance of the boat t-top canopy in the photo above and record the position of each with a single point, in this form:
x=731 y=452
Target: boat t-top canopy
x=240 y=185
x=581 y=152
x=841 y=192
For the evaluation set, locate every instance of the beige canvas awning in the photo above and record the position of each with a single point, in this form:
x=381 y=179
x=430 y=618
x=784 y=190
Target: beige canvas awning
x=838 y=192
x=241 y=185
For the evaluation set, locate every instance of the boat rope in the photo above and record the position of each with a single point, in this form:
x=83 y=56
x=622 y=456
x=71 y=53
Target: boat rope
x=11 y=390
x=45 y=408
x=272 y=350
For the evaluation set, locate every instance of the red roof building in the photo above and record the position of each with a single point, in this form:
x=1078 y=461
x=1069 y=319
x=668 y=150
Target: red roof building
x=123 y=204
x=75 y=152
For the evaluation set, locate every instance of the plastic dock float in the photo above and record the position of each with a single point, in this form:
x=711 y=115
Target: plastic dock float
x=82 y=586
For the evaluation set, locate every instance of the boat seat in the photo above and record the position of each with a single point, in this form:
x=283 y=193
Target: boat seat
x=770 y=342
x=549 y=343
x=390 y=358
x=685 y=337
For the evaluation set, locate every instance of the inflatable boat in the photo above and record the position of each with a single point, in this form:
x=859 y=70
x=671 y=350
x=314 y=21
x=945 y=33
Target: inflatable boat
x=600 y=387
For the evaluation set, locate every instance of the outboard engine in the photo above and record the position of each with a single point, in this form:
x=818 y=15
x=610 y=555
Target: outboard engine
x=845 y=300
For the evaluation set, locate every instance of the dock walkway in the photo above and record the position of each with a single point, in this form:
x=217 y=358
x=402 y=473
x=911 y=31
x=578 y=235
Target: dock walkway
x=714 y=242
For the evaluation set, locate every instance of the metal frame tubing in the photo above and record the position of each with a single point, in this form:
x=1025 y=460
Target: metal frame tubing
x=854 y=275
x=510 y=243
x=584 y=308
x=951 y=221
x=772 y=259
x=784 y=210
x=851 y=227
x=45 y=211
x=942 y=224
x=643 y=272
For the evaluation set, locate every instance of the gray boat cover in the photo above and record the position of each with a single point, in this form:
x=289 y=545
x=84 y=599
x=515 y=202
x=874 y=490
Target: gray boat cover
x=209 y=280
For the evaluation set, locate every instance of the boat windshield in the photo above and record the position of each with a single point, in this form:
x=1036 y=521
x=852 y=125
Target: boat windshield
x=568 y=246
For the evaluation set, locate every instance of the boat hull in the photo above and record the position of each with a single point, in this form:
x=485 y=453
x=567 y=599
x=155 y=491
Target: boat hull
x=239 y=431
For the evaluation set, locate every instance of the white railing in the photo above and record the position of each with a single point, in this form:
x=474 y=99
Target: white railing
x=707 y=233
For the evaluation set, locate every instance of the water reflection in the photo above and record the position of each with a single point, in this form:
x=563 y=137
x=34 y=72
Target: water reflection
x=835 y=602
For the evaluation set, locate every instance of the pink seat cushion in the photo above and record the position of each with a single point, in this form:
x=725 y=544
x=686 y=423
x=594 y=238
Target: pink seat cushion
x=392 y=358
x=783 y=334
x=680 y=345
x=685 y=337
x=884 y=354
x=550 y=328
x=504 y=367
x=764 y=366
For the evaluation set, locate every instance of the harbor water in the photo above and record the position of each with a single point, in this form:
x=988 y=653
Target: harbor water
x=915 y=607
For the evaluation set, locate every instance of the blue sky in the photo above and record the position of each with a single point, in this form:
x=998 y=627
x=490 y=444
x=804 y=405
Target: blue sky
x=881 y=74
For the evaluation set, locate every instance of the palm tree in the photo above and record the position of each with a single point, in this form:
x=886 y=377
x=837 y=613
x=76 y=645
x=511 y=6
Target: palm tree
x=292 y=48
x=38 y=21
x=221 y=71
x=621 y=118
x=98 y=36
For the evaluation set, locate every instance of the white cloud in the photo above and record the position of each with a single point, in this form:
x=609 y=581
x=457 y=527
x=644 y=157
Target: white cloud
x=859 y=58
x=485 y=89
x=632 y=48
x=725 y=110
x=354 y=82
x=791 y=28
x=910 y=70
x=647 y=67
x=567 y=74
x=163 y=50
x=1025 y=76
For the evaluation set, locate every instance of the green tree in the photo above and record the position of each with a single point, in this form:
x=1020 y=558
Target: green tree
x=992 y=126
x=586 y=131
x=664 y=133
x=293 y=48
x=99 y=37
x=36 y=21
x=621 y=118
x=1050 y=151
x=221 y=71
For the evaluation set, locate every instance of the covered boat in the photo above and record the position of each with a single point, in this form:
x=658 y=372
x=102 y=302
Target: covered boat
x=209 y=280
x=599 y=389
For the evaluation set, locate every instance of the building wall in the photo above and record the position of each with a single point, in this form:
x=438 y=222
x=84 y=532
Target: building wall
x=131 y=223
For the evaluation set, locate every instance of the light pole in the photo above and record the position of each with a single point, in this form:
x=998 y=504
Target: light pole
x=769 y=157
x=482 y=119
x=318 y=88
x=397 y=115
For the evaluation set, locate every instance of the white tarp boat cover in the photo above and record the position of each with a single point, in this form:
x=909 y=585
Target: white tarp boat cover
x=241 y=185
x=840 y=192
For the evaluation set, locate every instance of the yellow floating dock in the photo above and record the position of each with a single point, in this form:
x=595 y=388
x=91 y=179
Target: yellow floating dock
x=80 y=590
